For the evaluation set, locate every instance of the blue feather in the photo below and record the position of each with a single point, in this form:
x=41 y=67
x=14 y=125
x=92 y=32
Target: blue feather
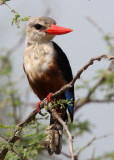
x=69 y=96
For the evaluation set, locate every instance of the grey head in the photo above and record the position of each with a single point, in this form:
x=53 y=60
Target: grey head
x=35 y=32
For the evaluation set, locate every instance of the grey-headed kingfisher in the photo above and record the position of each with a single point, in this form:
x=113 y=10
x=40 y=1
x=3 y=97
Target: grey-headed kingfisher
x=48 y=69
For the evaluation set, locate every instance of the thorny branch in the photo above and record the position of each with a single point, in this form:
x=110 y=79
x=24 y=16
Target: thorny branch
x=31 y=117
x=67 y=131
x=88 y=97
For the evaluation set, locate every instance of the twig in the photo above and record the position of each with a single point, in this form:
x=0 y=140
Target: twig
x=65 y=154
x=87 y=98
x=2 y=2
x=95 y=25
x=17 y=21
x=91 y=141
x=4 y=138
x=12 y=150
x=93 y=154
x=31 y=117
x=67 y=131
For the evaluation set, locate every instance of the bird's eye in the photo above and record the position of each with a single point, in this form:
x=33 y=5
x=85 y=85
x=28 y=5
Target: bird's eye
x=38 y=26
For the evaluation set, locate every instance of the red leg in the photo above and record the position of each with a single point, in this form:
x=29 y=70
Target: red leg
x=37 y=106
x=48 y=100
x=49 y=97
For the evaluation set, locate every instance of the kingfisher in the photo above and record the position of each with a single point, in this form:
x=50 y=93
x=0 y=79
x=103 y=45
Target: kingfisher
x=48 y=69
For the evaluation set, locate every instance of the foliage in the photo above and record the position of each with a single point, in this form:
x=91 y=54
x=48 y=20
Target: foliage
x=16 y=20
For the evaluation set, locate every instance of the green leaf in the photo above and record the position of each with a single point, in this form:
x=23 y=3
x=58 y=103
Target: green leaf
x=7 y=127
x=25 y=18
x=16 y=20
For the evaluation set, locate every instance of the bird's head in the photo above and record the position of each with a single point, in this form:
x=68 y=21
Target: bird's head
x=42 y=29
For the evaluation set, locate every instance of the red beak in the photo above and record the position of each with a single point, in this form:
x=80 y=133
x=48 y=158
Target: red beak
x=57 y=30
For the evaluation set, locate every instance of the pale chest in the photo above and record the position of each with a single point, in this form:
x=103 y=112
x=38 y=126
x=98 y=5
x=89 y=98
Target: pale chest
x=37 y=60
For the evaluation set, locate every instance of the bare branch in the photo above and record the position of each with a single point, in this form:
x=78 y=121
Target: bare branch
x=96 y=25
x=67 y=131
x=91 y=142
x=18 y=154
x=4 y=138
x=93 y=154
x=65 y=154
x=87 y=98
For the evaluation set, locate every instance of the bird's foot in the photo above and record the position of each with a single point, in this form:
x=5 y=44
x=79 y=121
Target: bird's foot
x=49 y=97
x=38 y=106
x=39 y=103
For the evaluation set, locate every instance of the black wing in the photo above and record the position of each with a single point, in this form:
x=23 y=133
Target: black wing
x=66 y=72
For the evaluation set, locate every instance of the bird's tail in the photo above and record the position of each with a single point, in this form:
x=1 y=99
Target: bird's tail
x=54 y=138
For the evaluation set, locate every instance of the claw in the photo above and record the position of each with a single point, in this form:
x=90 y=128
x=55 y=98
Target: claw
x=37 y=106
x=49 y=97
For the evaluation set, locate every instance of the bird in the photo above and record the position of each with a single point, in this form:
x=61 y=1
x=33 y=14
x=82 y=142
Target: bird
x=48 y=69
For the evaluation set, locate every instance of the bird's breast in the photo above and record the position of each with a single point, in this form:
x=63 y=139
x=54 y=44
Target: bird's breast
x=42 y=71
x=38 y=60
